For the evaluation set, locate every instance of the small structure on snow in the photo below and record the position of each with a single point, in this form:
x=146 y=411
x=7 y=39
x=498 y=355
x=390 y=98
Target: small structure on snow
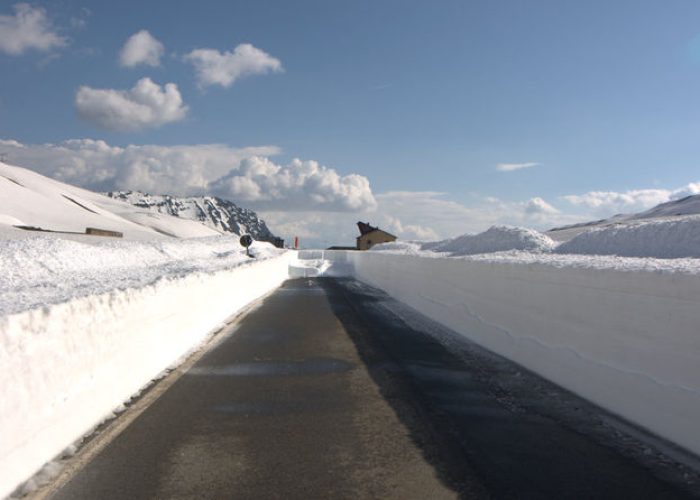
x=370 y=236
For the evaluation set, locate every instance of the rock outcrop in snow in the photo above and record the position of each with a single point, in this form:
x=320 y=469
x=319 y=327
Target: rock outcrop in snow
x=219 y=214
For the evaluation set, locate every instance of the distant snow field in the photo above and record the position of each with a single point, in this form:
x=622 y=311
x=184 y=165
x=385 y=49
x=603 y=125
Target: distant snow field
x=664 y=238
x=30 y=199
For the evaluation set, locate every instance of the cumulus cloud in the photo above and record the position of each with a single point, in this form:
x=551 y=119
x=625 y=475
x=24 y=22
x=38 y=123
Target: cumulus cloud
x=145 y=105
x=299 y=185
x=447 y=218
x=96 y=165
x=408 y=231
x=629 y=200
x=606 y=203
x=688 y=190
x=510 y=167
x=28 y=29
x=141 y=48
x=537 y=205
x=243 y=175
x=224 y=68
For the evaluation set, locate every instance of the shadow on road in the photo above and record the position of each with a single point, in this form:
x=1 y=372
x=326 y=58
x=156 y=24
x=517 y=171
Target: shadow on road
x=458 y=412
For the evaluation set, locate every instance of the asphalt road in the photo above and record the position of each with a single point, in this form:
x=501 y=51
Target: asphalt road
x=326 y=392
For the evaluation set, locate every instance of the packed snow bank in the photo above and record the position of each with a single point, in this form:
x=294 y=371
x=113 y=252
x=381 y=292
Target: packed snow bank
x=495 y=239
x=625 y=338
x=116 y=325
x=666 y=239
x=45 y=270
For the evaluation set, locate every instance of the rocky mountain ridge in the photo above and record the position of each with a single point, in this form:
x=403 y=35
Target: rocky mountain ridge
x=214 y=212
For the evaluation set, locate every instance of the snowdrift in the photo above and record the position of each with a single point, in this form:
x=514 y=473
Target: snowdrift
x=495 y=239
x=622 y=333
x=673 y=238
x=666 y=239
x=68 y=364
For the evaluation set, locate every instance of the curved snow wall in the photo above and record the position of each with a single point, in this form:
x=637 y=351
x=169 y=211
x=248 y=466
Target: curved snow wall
x=628 y=341
x=66 y=367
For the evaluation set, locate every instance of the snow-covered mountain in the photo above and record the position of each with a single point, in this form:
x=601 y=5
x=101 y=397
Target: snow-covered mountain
x=690 y=205
x=31 y=200
x=675 y=209
x=219 y=214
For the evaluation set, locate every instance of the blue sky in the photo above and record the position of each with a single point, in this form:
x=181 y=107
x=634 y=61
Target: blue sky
x=424 y=100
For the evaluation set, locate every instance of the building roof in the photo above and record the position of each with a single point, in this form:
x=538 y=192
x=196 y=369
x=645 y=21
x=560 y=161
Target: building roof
x=366 y=228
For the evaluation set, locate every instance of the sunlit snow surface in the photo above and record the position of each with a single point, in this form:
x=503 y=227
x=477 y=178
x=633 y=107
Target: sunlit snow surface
x=30 y=199
x=43 y=270
x=671 y=244
x=662 y=238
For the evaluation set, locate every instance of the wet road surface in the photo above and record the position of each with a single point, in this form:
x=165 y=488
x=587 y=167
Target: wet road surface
x=322 y=392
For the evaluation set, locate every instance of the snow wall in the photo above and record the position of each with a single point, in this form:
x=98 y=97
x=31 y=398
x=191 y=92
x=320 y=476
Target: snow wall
x=628 y=341
x=66 y=367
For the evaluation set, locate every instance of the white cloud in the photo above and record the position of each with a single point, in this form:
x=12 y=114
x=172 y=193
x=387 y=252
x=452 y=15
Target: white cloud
x=691 y=189
x=509 y=167
x=29 y=28
x=431 y=210
x=141 y=48
x=606 y=203
x=79 y=20
x=147 y=104
x=94 y=164
x=216 y=68
x=242 y=175
x=537 y=206
x=300 y=185
x=407 y=231
x=446 y=218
